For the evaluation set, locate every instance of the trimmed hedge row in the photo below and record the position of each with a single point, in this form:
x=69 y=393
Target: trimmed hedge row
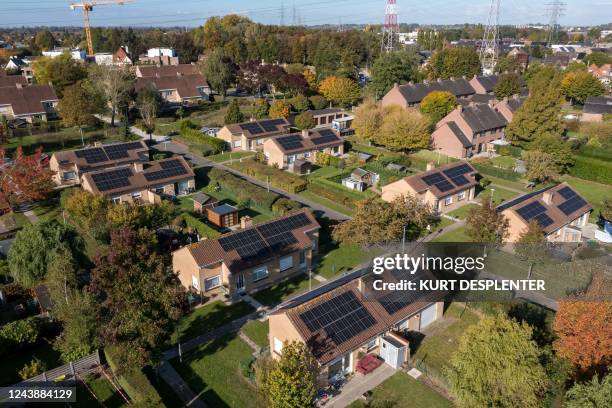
x=592 y=169
x=136 y=384
x=496 y=172
x=279 y=178
x=242 y=190
x=212 y=144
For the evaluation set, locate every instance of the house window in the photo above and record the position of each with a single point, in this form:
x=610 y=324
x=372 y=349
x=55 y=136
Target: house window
x=302 y=258
x=136 y=195
x=195 y=282
x=212 y=283
x=116 y=200
x=260 y=273
x=286 y=263
x=259 y=142
x=69 y=175
x=307 y=154
x=461 y=196
x=278 y=346
x=237 y=143
x=448 y=201
x=371 y=344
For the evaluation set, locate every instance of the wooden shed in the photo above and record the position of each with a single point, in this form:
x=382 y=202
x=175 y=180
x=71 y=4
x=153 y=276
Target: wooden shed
x=223 y=216
x=202 y=202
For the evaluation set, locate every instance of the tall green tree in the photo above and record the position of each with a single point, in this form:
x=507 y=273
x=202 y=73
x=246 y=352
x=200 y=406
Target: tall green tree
x=531 y=245
x=453 y=62
x=148 y=103
x=341 y=91
x=292 y=382
x=404 y=130
x=591 y=394
x=261 y=107
x=77 y=107
x=557 y=148
x=508 y=64
x=484 y=224
x=438 y=104
x=219 y=70
x=305 y=121
x=579 y=85
x=368 y=120
x=44 y=40
x=541 y=166
x=507 y=85
x=497 y=365
x=392 y=68
x=61 y=71
x=233 y=114
x=598 y=58
x=114 y=84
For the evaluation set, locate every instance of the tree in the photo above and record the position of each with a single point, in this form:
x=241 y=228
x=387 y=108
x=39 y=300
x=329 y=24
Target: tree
x=594 y=33
x=77 y=107
x=438 y=104
x=219 y=71
x=61 y=71
x=484 y=224
x=579 y=85
x=376 y=221
x=497 y=364
x=404 y=129
x=593 y=394
x=507 y=85
x=540 y=166
x=148 y=103
x=292 y=84
x=318 y=102
x=310 y=78
x=292 y=382
x=392 y=68
x=279 y=109
x=598 y=58
x=606 y=209
x=34 y=247
x=559 y=150
x=531 y=245
x=300 y=103
x=233 y=114
x=305 y=121
x=342 y=91
x=508 y=64
x=261 y=107
x=582 y=325
x=44 y=40
x=139 y=300
x=368 y=120
x=88 y=210
x=453 y=62
x=115 y=84
x=80 y=317
x=26 y=179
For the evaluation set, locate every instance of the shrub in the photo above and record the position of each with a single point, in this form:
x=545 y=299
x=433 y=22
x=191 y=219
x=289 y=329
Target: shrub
x=484 y=182
x=277 y=177
x=187 y=124
x=247 y=369
x=207 y=144
x=318 y=102
x=14 y=291
x=484 y=167
x=508 y=150
x=18 y=335
x=283 y=206
x=300 y=103
x=324 y=159
x=592 y=169
x=242 y=190
x=34 y=368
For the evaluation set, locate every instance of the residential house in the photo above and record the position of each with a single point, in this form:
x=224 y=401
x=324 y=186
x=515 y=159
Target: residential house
x=603 y=73
x=142 y=182
x=335 y=118
x=508 y=106
x=159 y=56
x=344 y=323
x=15 y=64
x=12 y=80
x=250 y=259
x=521 y=55
x=143 y=71
x=76 y=54
x=70 y=165
x=559 y=210
x=560 y=60
x=595 y=107
x=485 y=85
x=284 y=150
x=30 y=103
x=444 y=189
x=469 y=130
x=182 y=83
x=411 y=94
x=250 y=136
x=360 y=179
x=223 y=216
x=118 y=58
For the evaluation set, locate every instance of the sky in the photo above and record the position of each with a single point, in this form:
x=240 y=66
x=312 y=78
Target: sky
x=189 y=13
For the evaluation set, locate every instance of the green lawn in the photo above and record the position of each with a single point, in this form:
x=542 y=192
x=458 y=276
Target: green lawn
x=401 y=390
x=457 y=235
x=196 y=223
x=284 y=290
x=593 y=192
x=517 y=185
x=343 y=259
x=441 y=223
x=209 y=317
x=168 y=394
x=309 y=195
x=105 y=394
x=257 y=331
x=223 y=157
x=462 y=212
x=15 y=361
x=500 y=195
x=325 y=172
x=212 y=371
x=13 y=221
x=505 y=162
x=434 y=157
x=442 y=338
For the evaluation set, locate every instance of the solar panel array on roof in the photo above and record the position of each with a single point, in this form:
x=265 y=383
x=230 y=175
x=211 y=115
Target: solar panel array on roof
x=171 y=168
x=252 y=127
x=438 y=180
x=572 y=204
x=456 y=174
x=247 y=243
x=543 y=219
x=113 y=179
x=93 y=155
x=567 y=193
x=120 y=151
x=271 y=125
x=326 y=136
x=278 y=233
x=290 y=142
x=531 y=210
x=342 y=317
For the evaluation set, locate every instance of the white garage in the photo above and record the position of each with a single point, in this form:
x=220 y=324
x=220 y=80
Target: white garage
x=394 y=350
x=428 y=316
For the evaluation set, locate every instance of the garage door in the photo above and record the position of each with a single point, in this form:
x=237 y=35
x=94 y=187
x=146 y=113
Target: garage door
x=428 y=316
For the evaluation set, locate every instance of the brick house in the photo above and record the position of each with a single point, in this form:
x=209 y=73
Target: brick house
x=508 y=106
x=284 y=150
x=250 y=259
x=560 y=211
x=595 y=108
x=469 y=130
x=410 y=95
x=30 y=103
x=444 y=189
x=250 y=136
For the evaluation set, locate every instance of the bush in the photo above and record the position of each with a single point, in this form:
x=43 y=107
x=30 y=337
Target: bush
x=135 y=384
x=207 y=144
x=592 y=169
x=508 y=150
x=484 y=182
x=324 y=159
x=247 y=369
x=186 y=125
x=278 y=178
x=14 y=291
x=283 y=206
x=34 y=368
x=18 y=335
x=318 y=102
x=484 y=168
x=242 y=190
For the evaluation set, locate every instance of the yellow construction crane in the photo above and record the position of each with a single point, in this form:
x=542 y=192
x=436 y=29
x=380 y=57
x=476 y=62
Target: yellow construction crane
x=88 y=6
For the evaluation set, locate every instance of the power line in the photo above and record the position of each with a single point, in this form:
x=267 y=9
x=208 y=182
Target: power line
x=556 y=9
x=490 y=47
x=391 y=27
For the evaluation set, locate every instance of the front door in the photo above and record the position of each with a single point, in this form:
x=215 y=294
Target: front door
x=240 y=282
x=339 y=368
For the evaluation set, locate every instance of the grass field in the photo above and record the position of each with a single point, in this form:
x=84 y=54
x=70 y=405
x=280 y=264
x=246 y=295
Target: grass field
x=505 y=162
x=343 y=259
x=500 y=195
x=106 y=395
x=257 y=331
x=457 y=235
x=209 y=317
x=309 y=195
x=462 y=212
x=284 y=290
x=401 y=390
x=212 y=371
x=227 y=156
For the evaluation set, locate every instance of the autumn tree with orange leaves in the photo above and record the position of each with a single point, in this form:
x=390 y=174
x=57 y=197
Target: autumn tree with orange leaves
x=25 y=179
x=583 y=325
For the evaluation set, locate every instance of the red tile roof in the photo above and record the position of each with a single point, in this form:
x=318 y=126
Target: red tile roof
x=27 y=100
x=187 y=86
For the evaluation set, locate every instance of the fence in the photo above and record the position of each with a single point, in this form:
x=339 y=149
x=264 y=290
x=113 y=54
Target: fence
x=433 y=375
x=73 y=369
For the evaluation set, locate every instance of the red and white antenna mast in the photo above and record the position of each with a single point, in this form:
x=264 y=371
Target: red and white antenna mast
x=391 y=27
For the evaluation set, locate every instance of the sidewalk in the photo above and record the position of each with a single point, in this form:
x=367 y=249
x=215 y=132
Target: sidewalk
x=360 y=384
x=180 y=387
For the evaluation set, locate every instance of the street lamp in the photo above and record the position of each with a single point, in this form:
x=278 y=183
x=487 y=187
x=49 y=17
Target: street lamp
x=492 y=191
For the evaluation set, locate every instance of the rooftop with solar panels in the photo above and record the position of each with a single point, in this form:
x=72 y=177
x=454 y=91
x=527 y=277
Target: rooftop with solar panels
x=444 y=180
x=260 y=128
x=316 y=139
x=552 y=207
x=103 y=155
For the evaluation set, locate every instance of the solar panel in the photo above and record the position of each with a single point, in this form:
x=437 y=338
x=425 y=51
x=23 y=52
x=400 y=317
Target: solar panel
x=252 y=128
x=111 y=180
x=271 y=125
x=120 y=151
x=165 y=173
x=397 y=300
x=567 y=193
x=93 y=155
x=432 y=179
x=170 y=164
x=572 y=205
x=459 y=180
x=290 y=142
x=247 y=243
x=327 y=136
x=458 y=171
x=342 y=317
x=543 y=219
x=531 y=210
x=444 y=186
x=278 y=233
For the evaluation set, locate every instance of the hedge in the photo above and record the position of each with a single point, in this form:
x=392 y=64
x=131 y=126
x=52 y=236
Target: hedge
x=19 y=334
x=592 y=169
x=278 y=178
x=496 y=172
x=242 y=190
x=508 y=150
x=335 y=192
x=194 y=136
x=283 y=206
x=135 y=384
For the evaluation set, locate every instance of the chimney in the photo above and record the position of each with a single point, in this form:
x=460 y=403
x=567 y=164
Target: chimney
x=305 y=133
x=464 y=77
x=452 y=78
x=138 y=167
x=475 y=76
x=246 y=222
x=460 y=108
x=396 y=85
x=547 y=197
x=430 y=166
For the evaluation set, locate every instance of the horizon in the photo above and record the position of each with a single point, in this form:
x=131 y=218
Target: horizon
x=193 y=13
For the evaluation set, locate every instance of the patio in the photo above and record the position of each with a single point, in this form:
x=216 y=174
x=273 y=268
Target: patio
x=359 y=384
